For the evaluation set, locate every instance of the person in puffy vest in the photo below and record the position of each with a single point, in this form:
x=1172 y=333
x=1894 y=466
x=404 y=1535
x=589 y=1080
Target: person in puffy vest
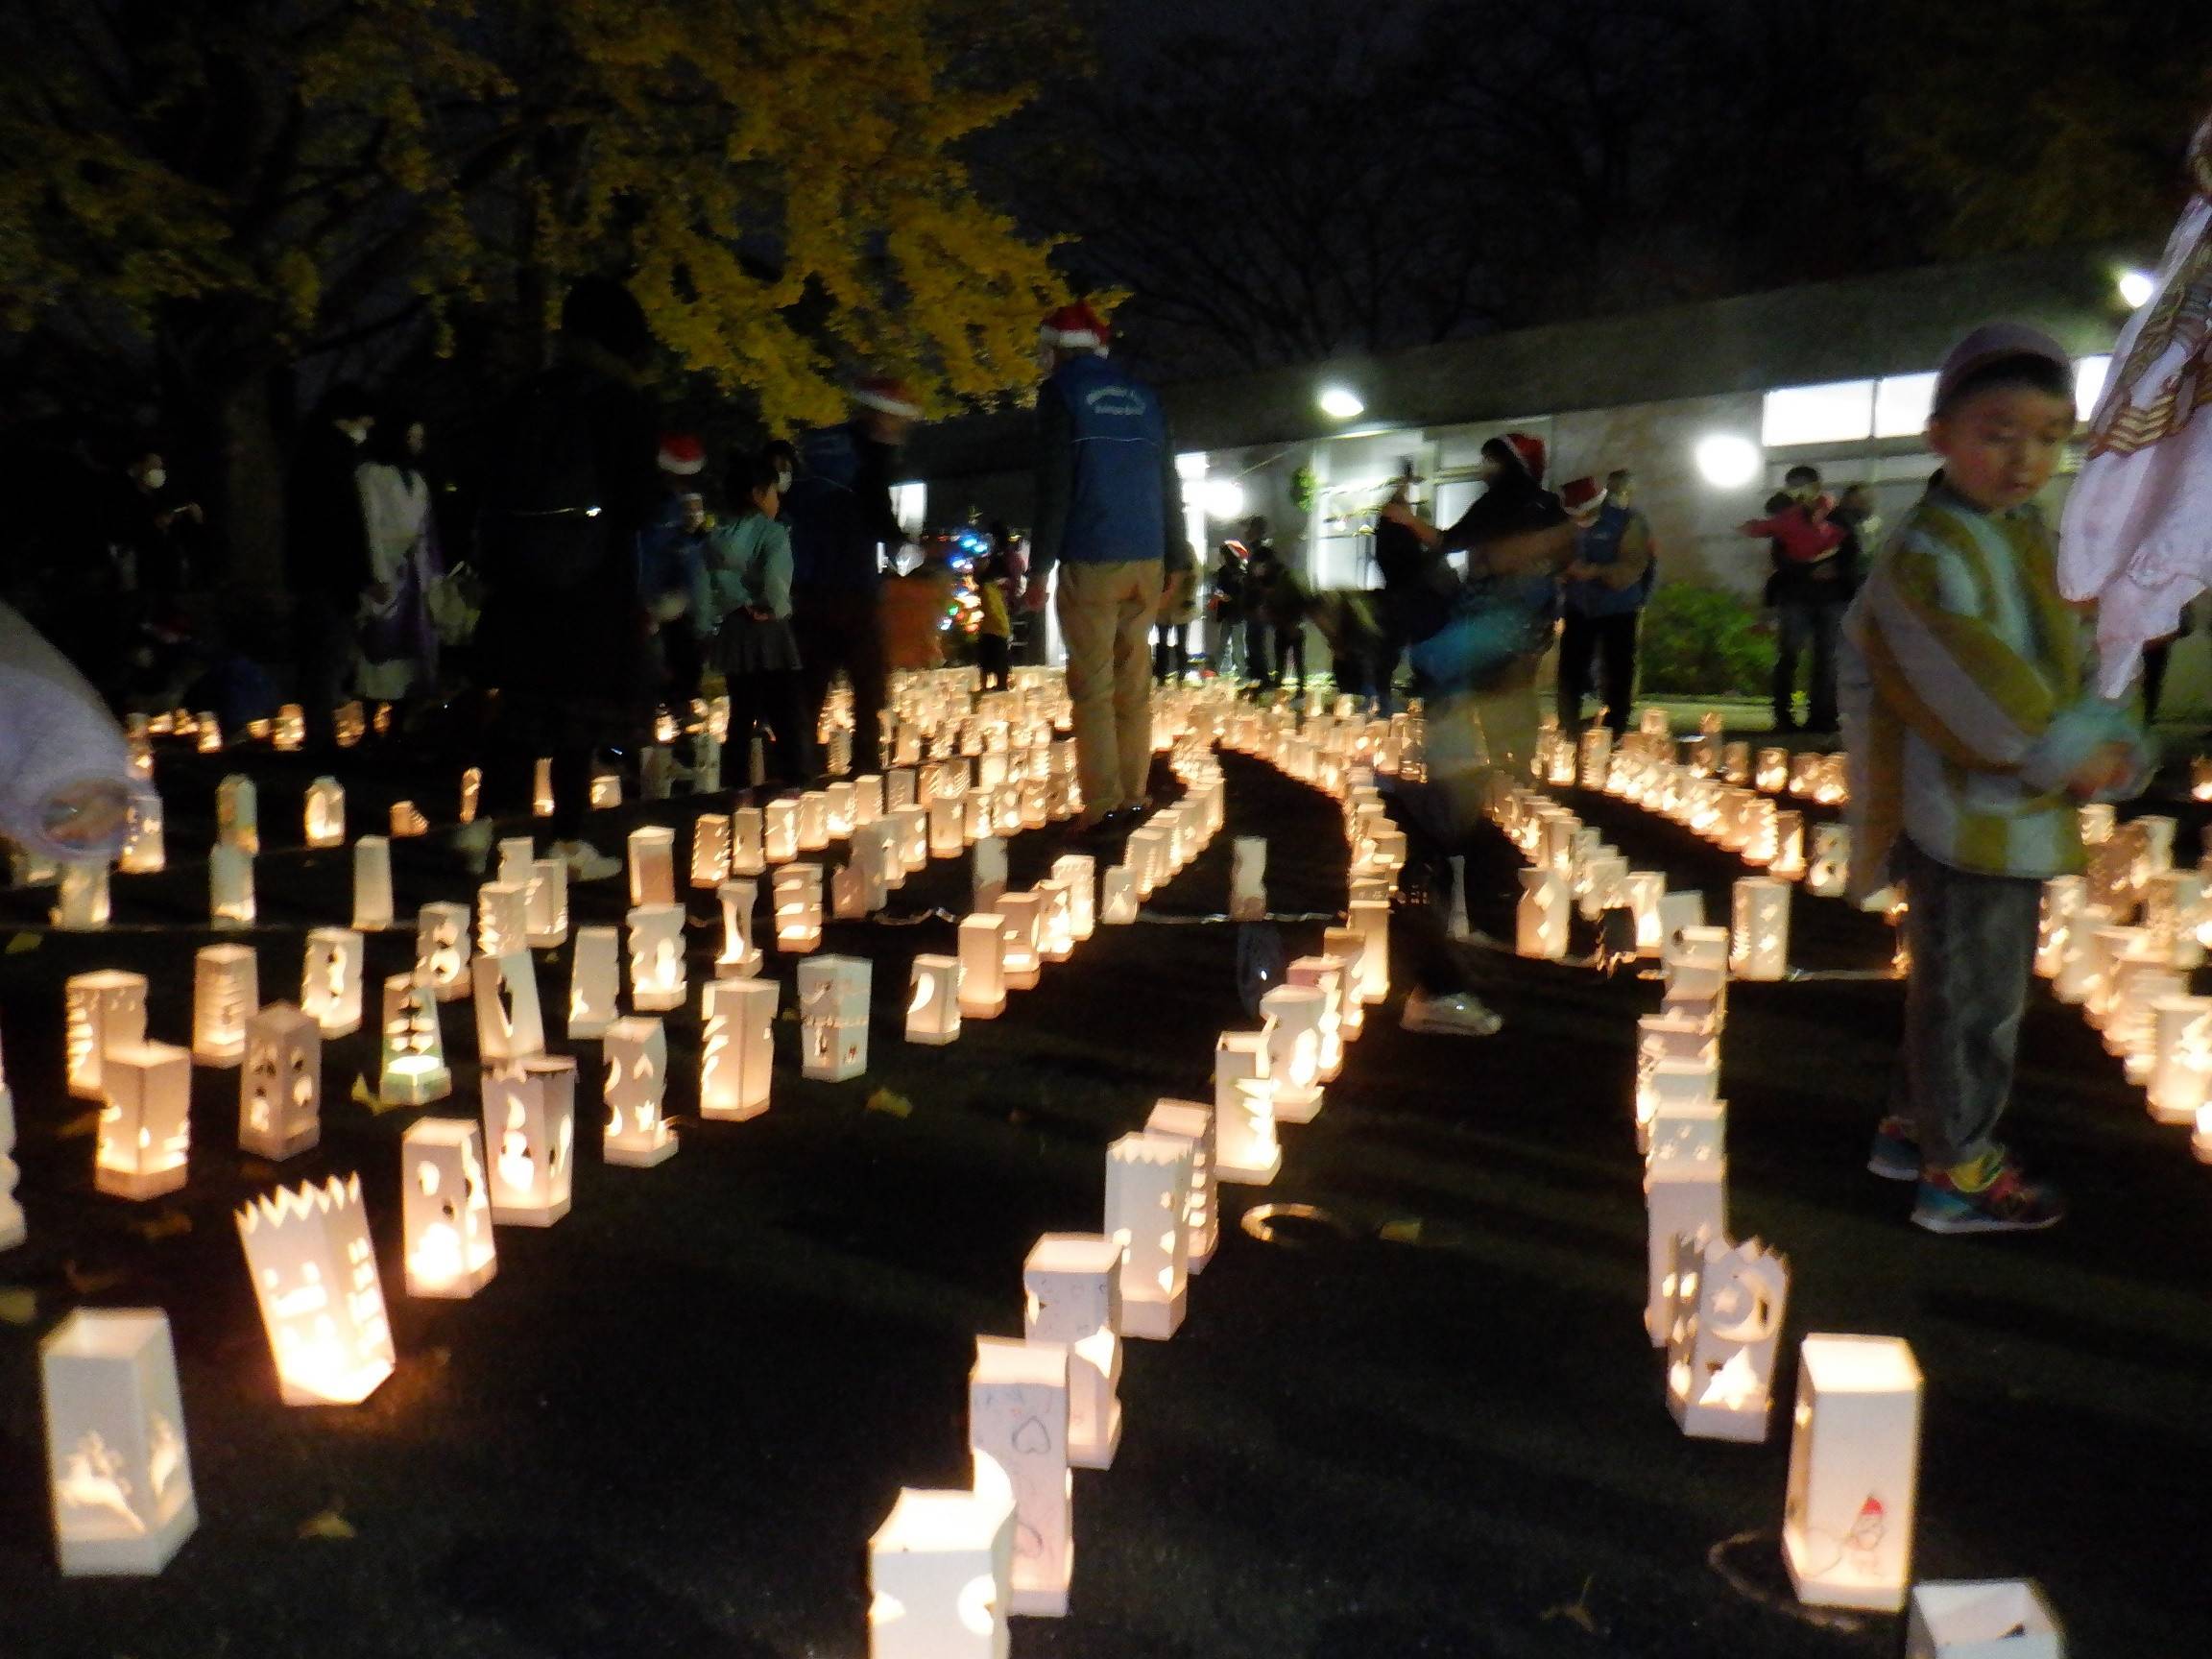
x=1110 y=516
x=1602 y=597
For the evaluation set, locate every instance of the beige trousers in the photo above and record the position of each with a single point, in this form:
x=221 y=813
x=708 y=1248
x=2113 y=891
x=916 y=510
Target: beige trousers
x=1105 y=617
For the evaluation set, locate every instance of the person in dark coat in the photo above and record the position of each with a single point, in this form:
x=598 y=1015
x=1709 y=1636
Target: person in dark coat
x=326 y=549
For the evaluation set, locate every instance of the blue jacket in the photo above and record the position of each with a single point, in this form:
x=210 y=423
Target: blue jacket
x=1618 y=541
x=1106 y=486
x=839 y=513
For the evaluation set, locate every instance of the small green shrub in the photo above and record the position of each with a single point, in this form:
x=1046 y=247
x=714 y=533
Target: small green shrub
x=1703 y=642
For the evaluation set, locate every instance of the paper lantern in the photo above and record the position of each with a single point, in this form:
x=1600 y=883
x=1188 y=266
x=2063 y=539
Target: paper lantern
x=471 y=794
x=1721 y=1354
x=530 y=1134
x=1607 y=875
x=796 y=900
x=101 y=1010
x=1193 y=1122
x=747 y=854
x=2173 y=912
x=1829 y=872
x=289 y=732
x=1853 y=1472
x=546 y=904
x=502 y=918
x=325 y=814
x=1055 y=922
x=371 y=884
x=656 y=977
x=1736 y=762
x=1246 y=1150
x=1248 y=879
x=1372 y=921
x=1347 y=945
x=144 y=853
x=982 y=987
x=867 y=800
x=1326 y=976
x=848 y=894
x=814 y=825
x=739 y=959
x=281 y=1085
x=1682 y=1198
x=510 y=1024
x=833 y=993
x=1078 y=872
x=230 y=886
x=1770 y=772
x=1117 y=896
x=1642 y=890
x=638 y=1134
x=225 y=993
x=779 y=832
x=947 y=826
x=209 y=732
x=442 y=949
x=1017 y=1426
x=145 y=1132
x=2182 y=1063
x=408 y=821
x=913 y=837
x=1992 y=1619
x=12 y=1229
x=1147 y=1188
x=118 y=1468
x=1758 y=945
x=933 y=1003
x=1021 y=917
x=652 y=865
x=413 y=1073
x=1072 y=1286
x=1293 y=1014
x=1541 y=918
x=330 y=980
x=595 y=982
x=940 y=1576
x=709 y=849
x=315 y=1276
x=838 y=803
x=606 y=791
x=81 y=902
x=445 y=1208
x=736 y=1048
x=987 y=873
x=238 y=813
x=1684 y=1131
x=1787 y=862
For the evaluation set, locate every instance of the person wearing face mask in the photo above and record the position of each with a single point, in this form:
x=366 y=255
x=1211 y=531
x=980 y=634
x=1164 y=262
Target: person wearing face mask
x=66 y=787
x=399 y=647
x=326 y=549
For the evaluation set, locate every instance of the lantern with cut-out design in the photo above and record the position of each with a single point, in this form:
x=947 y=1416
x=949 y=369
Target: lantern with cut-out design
x=658 y=983
x=1847 y=1519
x=280 y=1084
x=442 y=949
x=1728 y=1301
x=226 y=992
x=834 y=1017
x=315 y=1275
x=445 y=1208
x=414 y=1069
x=530 y=1138
x=145 y=1132
x=1018 y=1425
x=1073 y=1295
x=118 y=1467
x=736 y=1048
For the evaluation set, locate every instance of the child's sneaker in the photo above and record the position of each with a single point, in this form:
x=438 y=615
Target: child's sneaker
x=1896 y=1152
x=1988 y=1195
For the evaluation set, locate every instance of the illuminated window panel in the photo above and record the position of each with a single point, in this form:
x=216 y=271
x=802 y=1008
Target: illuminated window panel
x=2089 y=374
x=1840 y=412
x=1901 y=405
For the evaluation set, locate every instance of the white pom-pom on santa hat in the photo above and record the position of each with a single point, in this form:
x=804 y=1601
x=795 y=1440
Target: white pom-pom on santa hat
x=683 y=454
x=1075 y=328
x=887 y=394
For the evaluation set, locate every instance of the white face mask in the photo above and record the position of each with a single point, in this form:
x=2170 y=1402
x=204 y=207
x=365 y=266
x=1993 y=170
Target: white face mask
x=155 y=477
x=357 y=430
x=783 y=482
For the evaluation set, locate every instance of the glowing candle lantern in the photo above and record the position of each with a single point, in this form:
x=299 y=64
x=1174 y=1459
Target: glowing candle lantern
x=209 y=732
x=739 y=959
x=1055 y=922
x=1759 y=947
x=1677 y=1065
x=779 y=832
x=913 y=839
x=471 y=794
x=1191 y=1121
x=1829 y=873
x=736 y=1048
x=814 y=825
x=837 y=804
x=1993 y=1619
x=281 y=1085
x=325 y=814
x=530 y=1134
x=1147 y=1188
x=510 y=1024
x=315 y=1276
x=657 y=976
x=502 y=918
x=371 y=884
x=940 y=1576
x=2063 y=903
x=1683 y=1197
x=1072 y=1285
x=1685 y=1131
x=987 y=873
x=1372 y=920
x=1347 y=945
x=867 y=800
x=652 y=865
x=144 y=852
x=445 y=1208
x=848 y=893
x=709 y=849
x=947 y=826
x=2173 y=911
x=606 y=791
x=1247 y=1152
x=981 y=979
x=1293 y=1031
x=1643 y=890
x=12 y=1225
x=102 y=1010
x=1541 y=918
x=2182 y=1048
x=833 y=993
x=595 y=982
x=747 y=854
x=1771 y=772
x=442 y=949
x=413 y=1070
x=1248 y=879
x=1788 y=861
x=638 y=1134
x=1017 y=1426
x=797 y=898
x=1721 y=1354
x=349 y=723
x=546 y=904
x=407 y=820
x=1020 y=916
x=1736 y=762
x=1145 y=852
x=81 y=902
x=238 y=813
x=1078 y=872
x=119 y=1470
x=1853 y=1472
x=230 y=886
x=225 y=990
x=1117 y=896
x=933 y=1004
x=898 y=790
x=2096 y=819
x=145 y=1133
x=289 y=733
x=1604 y=890
x=1326 y=976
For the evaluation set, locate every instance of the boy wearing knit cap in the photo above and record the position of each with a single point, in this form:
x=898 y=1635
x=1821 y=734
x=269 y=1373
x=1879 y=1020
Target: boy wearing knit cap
x=1975 y=732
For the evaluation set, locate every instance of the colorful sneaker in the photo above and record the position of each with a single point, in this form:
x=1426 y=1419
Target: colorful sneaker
x=1988 y=1195
x=1896 y=1152
x=1458 y=1015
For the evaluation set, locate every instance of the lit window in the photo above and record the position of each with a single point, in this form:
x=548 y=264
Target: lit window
x=2090 y=374
x=1842 y=412
x=1901 y=405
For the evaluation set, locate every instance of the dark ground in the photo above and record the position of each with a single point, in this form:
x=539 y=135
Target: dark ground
x=670 y=1423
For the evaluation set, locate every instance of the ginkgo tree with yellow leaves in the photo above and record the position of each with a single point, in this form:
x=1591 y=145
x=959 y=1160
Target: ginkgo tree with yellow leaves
x=236 y=186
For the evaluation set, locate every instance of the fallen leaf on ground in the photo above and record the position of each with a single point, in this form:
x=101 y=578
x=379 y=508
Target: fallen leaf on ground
x=166 y=1225
x=327 y=1524
x=1402 y=1232
x=368 y=1097
x=1575 y=1612
x=23 y=942
x=897 y=1105
x=90 y=1283
x=18 y=1305
x=83 y=1123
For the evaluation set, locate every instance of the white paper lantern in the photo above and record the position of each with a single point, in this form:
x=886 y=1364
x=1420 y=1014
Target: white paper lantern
x=2183 y=1045
x=1072 y=1286
x=833 y=993
x=1055 y=922
x=736 y=1048
x=81 y=902
x=1991 y=1619
x=102 y=1010
x=1019 y=915
x=1248 y=879
x=331 y=980
x=797 y=898
x=503 y=918
x=1347 y=945
x=530 y=1135
x=934 y=1002
x=940 y=1576
x=658 y=983
x=445 y=1208
x=747 y=854
x=1078 y=872
x=652 y=865
x=510 y=1024
x=595 y=982
x=1853 y=1472
x=315 y=1275
x=709 y=849
x=1194 y=1122
x=119 y=1471
x=238 y=813
x=738 y=958
x=1147 y=1187
x=408 y=821
x=638 y=1133
x=1017 y=1426
x=1372 y=921
x=546 y=904
x=913 y=837
x=1326 y=976
x=143 y=852
x=1117 y=896
x=226 y=992
x=371 y=884
x=1541 y=918
x=1294 y=1015
x=145 y=1132
x=779 y=831
x=230 y=886
x=1758 y=945
x=280 y=1084
x=1729 y=1302
x=414 y=1069
x=325 y=814
x=1683 y=1198
x=1829 y=873
x=1246 y=1150
x=442 y=949
x=982 y=987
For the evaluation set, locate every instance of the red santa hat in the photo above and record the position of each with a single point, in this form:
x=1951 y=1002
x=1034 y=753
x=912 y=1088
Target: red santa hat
x=1522 y=450
x=1075 y=328
x=682 y=454
x=1580 y=496
x=887 y=394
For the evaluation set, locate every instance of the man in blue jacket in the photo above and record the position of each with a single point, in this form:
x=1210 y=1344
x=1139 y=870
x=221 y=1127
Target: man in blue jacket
x=1605 y=589
x=1110 y=516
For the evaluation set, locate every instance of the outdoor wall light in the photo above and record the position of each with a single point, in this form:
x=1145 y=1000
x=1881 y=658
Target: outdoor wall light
x=1726 y=460
x=1341 y=403
x=2136 y=288
x=1224 y=498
